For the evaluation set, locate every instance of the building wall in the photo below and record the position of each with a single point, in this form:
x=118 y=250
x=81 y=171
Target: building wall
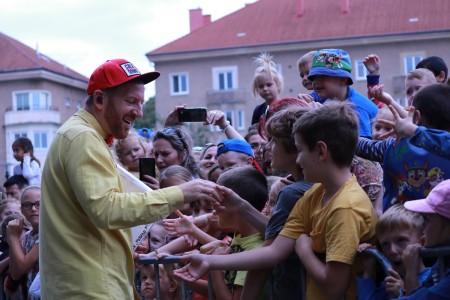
x=391 y=51
x=31 y=121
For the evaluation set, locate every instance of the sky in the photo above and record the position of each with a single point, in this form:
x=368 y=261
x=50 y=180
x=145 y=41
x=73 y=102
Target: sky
x=82 y=34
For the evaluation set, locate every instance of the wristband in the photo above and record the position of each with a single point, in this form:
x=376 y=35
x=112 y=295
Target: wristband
x=226 y=126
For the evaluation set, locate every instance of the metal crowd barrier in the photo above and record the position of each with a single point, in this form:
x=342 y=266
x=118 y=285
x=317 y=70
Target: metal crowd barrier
x=439 y=252
x=171 y=260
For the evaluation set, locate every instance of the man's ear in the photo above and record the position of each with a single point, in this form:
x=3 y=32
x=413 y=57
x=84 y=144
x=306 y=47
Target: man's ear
x=98 y=98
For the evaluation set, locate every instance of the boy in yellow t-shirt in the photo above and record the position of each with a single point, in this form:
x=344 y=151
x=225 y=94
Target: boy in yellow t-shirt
x=327 y=224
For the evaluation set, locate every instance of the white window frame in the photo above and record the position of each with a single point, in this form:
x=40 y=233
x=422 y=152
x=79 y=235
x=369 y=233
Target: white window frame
x=180 y=89
x=230 y=84
x=417 y=57
x=38 y=139
x=359 y=65
x=43 y=100
x=19 y=134
x=241 y=119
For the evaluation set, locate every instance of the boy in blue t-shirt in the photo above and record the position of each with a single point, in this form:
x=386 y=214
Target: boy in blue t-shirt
x=331 y=77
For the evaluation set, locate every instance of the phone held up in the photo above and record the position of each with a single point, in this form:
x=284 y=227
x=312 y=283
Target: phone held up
x=146 y=167
x=192 y=114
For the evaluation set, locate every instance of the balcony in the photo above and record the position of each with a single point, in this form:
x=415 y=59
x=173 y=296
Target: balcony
x=215 y=97
x=43 y=116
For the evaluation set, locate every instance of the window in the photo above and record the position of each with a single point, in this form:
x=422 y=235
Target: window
x=410 y=62
x=229 y=115
x=179 y=84
x=40 y=140
x=19 y=134
x=32 y=100
x=241 y=120
x=224 y=78
x=360 y=70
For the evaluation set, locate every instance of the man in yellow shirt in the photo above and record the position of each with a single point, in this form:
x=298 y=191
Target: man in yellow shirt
x=85 y=240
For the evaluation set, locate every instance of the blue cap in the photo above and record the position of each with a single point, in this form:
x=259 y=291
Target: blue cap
x=331 y=62
x=236 y=145
x=147 y=135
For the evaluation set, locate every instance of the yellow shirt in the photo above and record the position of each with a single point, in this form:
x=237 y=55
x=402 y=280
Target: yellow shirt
x=336 y=229
x=85 y=240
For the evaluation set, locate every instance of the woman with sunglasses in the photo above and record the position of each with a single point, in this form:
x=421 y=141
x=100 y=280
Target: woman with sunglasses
x=173 y=146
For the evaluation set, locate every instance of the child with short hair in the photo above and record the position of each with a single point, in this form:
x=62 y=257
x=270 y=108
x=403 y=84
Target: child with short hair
x=415 y=80
x=335 y=205
x=436 y=65
x=380 y=128
x=267 y=84
x=396 y=229
x=436 y=210
x=29 y=166
x=331 y=76
x=304 y=66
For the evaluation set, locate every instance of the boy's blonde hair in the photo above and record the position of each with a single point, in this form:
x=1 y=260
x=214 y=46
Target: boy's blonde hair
x=266 y=66
x=305 y=59
x=421 y=74
x=398 y=217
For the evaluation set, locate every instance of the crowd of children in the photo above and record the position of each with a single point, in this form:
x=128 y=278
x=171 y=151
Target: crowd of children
x=316 y=181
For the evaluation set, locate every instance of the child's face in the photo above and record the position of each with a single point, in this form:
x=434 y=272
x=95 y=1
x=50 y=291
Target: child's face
x=257 y=143
x=201 y=207
x=394 y=242
x=329 y=87
x=304 y=69
x=281 y=160
x=267 y=88
x=18 y=153
x=13 y=191
x=13 y=207
x=165 y=154
x=380 y=128
x=132 y=151
x=413 y=86
x=148 y=286
x=306 y=159
x=30 y=206
x=157 y=237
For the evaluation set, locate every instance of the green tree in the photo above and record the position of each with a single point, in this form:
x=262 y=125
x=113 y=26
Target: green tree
x=149 y=118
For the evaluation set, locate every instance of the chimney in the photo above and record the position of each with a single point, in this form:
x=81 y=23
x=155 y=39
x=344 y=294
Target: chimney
x=300 y=8
x=345 y=6
x=197 y=19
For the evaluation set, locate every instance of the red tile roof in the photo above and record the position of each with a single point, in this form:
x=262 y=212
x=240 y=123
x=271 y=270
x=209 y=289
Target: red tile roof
x=275 y=21
x=15 y=56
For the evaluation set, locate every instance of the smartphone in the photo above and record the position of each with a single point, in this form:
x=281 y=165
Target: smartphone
x=192 y=114
x=146 y=167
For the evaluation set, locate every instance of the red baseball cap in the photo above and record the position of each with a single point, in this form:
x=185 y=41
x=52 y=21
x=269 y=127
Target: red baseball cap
x=114 y=72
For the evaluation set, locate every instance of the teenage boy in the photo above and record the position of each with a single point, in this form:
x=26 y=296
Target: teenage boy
x=331 y=76
x=327 y=225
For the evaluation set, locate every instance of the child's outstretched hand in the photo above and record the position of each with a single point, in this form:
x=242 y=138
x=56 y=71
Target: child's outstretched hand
x=182 y=225
x=215 y=247
x=378 y=93
x=372 y=64
x=394 y=283
x=403 y=124
x=197 y=266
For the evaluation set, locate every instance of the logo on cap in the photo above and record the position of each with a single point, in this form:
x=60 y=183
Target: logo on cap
x=130 y=69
